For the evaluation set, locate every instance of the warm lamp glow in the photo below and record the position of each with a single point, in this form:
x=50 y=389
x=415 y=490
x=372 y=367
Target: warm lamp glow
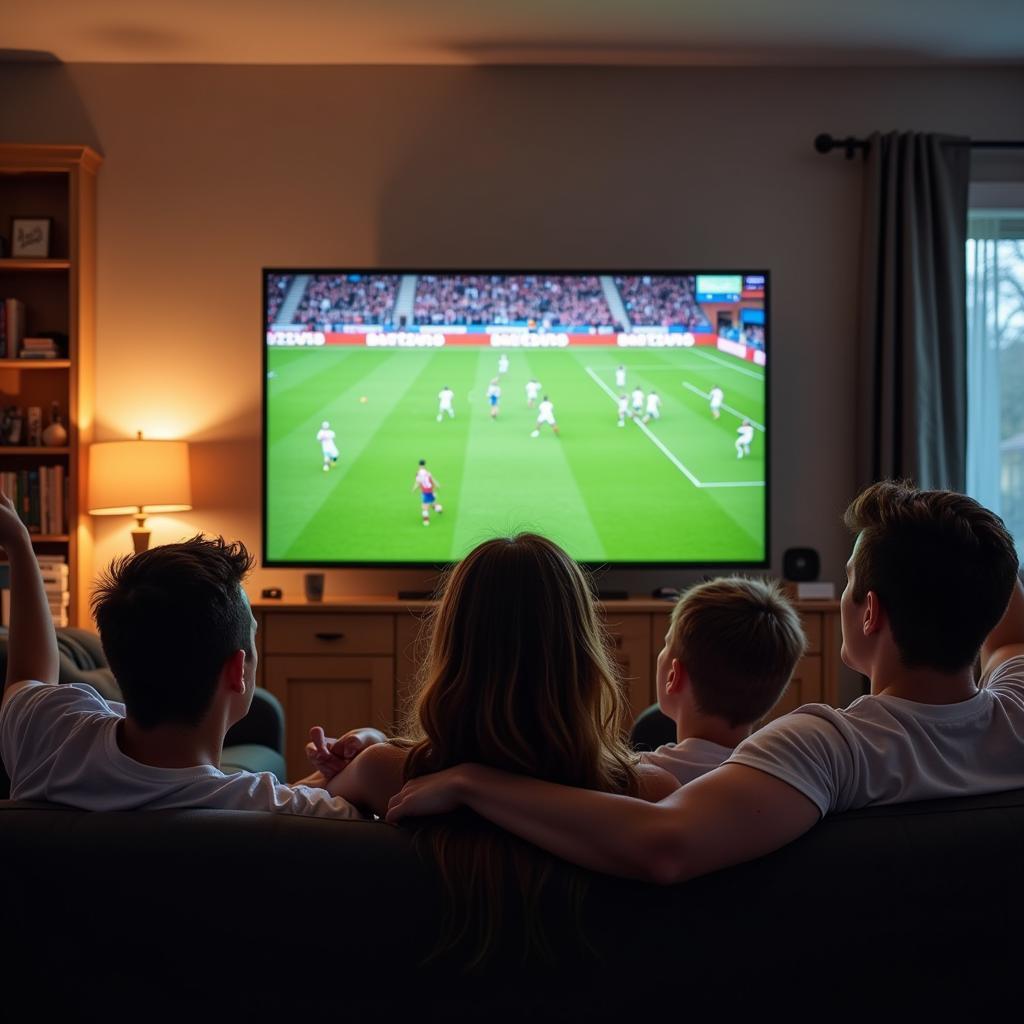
x=139 y=478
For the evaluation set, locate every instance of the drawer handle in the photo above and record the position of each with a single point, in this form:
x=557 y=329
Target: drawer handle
x=329 y=636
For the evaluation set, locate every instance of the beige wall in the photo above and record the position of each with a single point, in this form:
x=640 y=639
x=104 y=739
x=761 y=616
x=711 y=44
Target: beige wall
x=212 y=173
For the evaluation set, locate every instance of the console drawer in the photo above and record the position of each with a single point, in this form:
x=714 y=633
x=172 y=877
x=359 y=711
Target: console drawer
x=328 y=633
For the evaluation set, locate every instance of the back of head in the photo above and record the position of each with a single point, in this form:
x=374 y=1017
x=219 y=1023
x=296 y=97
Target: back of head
x=739 y=641
x=168 y=619
x=518 y=676
x=942 y=566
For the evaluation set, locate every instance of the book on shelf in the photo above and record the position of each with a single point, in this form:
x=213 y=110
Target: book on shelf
x=12 y=327
x=40 y=496
x=38 y=348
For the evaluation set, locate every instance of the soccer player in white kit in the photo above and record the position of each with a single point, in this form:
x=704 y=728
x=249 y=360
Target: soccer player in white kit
x=494 y=398
x=532 y=391
x=327 y=446
x=545 y=414
x=653 y=410
x=620 y=377
x=427 y=485
x=717 y=396
x=444 y=397
x=638 y=400
x=503 y=363
x=746 y=435
x=623 y=409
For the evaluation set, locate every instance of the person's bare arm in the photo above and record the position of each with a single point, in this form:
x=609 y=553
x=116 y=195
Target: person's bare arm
x=372 y=779
x=655 y=782
x=1007 y=637
x=731 y=815
x=31 y=642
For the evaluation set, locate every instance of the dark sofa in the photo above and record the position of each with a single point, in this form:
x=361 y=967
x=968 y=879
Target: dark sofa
x=917 y=908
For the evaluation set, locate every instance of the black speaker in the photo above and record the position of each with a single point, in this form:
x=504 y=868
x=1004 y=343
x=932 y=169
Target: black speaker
x=801 y=565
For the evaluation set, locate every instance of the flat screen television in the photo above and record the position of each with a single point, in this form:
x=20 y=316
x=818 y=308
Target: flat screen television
x=411 y=414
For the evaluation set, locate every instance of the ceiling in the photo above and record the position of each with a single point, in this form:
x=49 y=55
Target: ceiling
x=660 y=32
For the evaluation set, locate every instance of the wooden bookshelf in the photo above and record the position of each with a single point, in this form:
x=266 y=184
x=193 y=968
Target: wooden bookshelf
x=58 y=182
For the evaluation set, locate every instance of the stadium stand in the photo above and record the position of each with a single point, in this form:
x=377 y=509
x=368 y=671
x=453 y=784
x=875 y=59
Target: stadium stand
x=661 y=302
x=352 y=299
x=550 y=301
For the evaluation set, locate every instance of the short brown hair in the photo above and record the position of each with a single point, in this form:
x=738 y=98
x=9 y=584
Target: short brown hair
x=942 y=565
x=739 y=640
x=168 y=619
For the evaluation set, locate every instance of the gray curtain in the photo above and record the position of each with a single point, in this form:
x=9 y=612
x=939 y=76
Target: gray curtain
x=913 y=338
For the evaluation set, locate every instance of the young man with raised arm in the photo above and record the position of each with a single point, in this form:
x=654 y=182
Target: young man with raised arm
x=932 y=579
x=178 y=633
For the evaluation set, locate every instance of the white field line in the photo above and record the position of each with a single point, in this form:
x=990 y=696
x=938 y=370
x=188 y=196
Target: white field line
x=727 y=364
x=664 y=451
x=728 y=408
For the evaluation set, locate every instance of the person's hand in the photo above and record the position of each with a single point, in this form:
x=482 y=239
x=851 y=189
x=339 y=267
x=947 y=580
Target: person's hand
x=427 y=795
x=12 y=529
x=331 y=756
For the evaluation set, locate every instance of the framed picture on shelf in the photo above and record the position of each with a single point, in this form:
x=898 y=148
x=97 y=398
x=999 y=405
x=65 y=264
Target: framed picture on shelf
x=30 y=237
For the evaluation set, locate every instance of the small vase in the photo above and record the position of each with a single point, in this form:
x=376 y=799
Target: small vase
x=55 y=435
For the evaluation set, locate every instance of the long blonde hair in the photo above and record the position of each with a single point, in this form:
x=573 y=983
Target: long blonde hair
x=517 y=676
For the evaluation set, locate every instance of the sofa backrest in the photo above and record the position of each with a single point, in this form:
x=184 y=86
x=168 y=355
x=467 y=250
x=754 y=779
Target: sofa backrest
x=132 y=891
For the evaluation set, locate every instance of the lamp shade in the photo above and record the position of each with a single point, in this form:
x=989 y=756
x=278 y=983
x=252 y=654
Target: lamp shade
x=126 y=476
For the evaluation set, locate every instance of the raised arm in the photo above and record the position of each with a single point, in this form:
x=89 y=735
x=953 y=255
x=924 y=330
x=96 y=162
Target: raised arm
x=31 y=640
x=731 y=815
x=1007 y=638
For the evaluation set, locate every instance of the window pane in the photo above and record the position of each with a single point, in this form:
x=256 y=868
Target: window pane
x=995 y=340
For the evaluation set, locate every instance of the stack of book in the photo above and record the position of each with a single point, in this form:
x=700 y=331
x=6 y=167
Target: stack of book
x=55 y=582
x=54 y=570
x=40 y=496
x=38 y=348
x=12 y=327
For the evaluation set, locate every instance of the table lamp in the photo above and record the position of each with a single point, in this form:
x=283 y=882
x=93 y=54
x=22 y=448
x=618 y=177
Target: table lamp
x=139 y=478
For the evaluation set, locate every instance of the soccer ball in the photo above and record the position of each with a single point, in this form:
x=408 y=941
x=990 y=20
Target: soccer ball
x=363 y=399
x=438 y=509
x=535 y=433
x=438 y=417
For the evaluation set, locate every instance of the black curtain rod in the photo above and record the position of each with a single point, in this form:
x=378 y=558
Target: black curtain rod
x=825 y=143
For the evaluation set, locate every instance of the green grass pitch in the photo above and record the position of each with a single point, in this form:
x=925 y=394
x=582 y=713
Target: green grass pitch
x=676 y=492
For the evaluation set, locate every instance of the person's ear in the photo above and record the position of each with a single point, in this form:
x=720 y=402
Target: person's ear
x=233 y=672
x=874 y=614
x=677 y=677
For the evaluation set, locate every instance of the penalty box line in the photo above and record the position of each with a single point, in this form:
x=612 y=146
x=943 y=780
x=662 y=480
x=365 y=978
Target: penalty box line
x=643 y=426
x=661 y=447
x=728 y=408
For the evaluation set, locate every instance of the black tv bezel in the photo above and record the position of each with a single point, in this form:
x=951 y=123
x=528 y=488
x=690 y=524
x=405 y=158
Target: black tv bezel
x=441 y=566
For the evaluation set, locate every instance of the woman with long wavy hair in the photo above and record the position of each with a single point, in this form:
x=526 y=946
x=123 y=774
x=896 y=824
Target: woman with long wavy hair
x=517 y=676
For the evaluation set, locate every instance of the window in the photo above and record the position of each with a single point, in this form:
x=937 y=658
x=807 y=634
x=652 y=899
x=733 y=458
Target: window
x=995 y=353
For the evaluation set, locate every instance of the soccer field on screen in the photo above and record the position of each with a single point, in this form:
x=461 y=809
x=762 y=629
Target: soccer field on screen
x=671 y=491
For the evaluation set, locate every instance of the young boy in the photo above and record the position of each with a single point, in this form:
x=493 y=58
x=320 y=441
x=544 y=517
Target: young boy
x=178 y=633
x=731 y=648
x=932 y=582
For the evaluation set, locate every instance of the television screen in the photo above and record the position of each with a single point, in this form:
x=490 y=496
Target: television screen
x=408 y=415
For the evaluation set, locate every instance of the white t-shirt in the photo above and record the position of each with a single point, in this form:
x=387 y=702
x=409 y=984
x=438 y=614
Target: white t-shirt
x=689 y=759
x=746 y=434
x=59 y=743
x=887 y=750
x=446 y=395
x=717 y=394
x=545 y=412
x=653 y=403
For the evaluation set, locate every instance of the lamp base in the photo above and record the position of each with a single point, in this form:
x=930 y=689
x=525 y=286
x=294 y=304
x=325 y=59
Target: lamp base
x=140 y=540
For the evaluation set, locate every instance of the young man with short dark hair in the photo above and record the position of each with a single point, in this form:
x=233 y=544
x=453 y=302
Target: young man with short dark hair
x=932 y=580
x=178 y=632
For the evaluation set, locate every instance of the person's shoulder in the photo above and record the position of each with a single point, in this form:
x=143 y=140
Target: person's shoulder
x=1008 y=670
x=69 y=697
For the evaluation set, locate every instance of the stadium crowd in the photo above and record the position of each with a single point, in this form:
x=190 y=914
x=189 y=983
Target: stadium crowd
x=549 y=301
x=665 y=302
x=351 y=299
x=277 y=289
x=753 y=335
